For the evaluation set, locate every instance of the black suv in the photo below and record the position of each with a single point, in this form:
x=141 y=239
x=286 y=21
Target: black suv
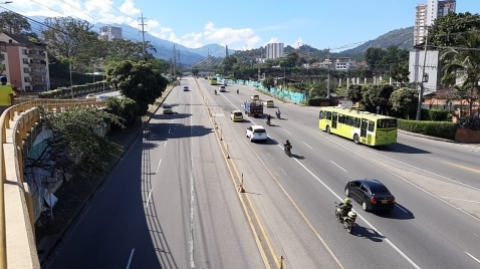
x=371 y=194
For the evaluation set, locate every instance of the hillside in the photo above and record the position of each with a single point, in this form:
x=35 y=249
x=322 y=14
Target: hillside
x=402 y=38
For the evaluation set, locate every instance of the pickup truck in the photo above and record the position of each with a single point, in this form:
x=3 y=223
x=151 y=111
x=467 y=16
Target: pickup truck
x=253 y=108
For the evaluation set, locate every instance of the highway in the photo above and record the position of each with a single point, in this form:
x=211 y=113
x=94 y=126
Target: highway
x=436 y=222
x=170 y=203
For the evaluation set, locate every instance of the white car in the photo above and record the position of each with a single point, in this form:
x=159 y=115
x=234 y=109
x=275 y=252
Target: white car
x=91 y=96
x=102 y=98
x=185 y=88
x=256 y=133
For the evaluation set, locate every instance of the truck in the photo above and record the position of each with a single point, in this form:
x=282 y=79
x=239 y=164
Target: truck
x=253 y=108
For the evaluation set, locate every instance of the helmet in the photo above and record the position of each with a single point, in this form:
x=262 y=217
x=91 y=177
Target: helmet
x=288 y=142
x=347 y=200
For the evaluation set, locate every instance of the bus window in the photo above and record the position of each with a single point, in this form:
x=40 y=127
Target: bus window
x=341 y=118
x=387 y=123
x=356 y=122
x=349 y=121
x=371 y=126
x=329 y=115
x=322 y=114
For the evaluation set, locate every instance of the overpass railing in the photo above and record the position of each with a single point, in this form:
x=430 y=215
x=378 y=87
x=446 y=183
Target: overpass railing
x=24 y=115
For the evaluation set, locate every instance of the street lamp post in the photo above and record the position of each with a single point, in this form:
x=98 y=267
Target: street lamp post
x=71 y=80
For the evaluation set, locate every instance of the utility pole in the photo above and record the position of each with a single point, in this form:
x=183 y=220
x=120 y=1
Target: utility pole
x=423 y=79
x=143 y=24
x=174 y=61
x=178 y=60
x=328 y=73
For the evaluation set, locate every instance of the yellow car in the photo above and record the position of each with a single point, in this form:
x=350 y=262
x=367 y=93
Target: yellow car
x=254 y=97
x=269 y=103
x=236 y=115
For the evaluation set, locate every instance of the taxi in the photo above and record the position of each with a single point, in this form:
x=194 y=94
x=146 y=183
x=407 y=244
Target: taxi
x=255 y=97
x=236 y=115
x=269 y=103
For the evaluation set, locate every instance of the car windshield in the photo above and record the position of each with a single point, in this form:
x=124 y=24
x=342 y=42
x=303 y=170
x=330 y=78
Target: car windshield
x=379 y=189
x=387 y=123
x=259 y=131
x=238 y=113
x=166 y=106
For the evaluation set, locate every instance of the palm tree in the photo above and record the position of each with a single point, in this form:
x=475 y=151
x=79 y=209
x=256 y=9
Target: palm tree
x=463 y=63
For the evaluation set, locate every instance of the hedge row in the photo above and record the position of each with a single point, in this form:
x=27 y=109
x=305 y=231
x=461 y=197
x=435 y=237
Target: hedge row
x=78 y=90
x=318 y=101
x=432 y=128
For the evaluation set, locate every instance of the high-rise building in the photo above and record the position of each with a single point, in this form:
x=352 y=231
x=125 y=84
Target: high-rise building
x=274 y=50
x=110 y=32
x=426 y=13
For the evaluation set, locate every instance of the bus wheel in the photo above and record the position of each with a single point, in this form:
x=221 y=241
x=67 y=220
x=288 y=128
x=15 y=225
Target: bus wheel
x=328 y=129
x=355 y=139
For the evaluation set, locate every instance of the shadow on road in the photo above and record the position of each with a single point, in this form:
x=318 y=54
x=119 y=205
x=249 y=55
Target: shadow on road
x=402 y=148
x=165 y=131
x=400 y=213
x=297 y=156
x=367 y=233
x=172 y=116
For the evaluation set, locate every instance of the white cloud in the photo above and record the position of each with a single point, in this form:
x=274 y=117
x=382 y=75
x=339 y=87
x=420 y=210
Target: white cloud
x=297 y=43
x=128 y=7
x=228 y=36
x=272 y=40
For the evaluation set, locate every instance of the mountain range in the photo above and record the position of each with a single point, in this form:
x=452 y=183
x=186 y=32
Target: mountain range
x=402 y=38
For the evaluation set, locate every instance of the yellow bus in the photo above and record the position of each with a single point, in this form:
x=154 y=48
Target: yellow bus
x=213 y=81
x=360 y=126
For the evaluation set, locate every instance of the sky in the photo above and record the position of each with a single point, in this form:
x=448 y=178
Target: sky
x=245 y=24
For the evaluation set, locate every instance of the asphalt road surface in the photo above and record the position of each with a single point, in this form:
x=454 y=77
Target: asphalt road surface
x=436 y=222
x=169 y=204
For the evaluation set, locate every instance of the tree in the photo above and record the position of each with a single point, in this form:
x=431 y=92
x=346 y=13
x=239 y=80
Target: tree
x=194 y=71
x=139 y=81
x=125 y=108
x=354 y=93
x=447 y=31
x=75 y=146
x=73 y=39
x=404 y=102
x=268 y=83
x=318 y=90
x=463 y=64
x=377 y=95
x=401 y=73
x=124 y=49
x=291 y=60
x=14 y=23
x=228 y=63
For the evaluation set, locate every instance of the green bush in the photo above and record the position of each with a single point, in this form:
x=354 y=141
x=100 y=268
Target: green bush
x=318 y=101
x=125 y=108
x=438 y=114
x=78 y=90
x=432 y=128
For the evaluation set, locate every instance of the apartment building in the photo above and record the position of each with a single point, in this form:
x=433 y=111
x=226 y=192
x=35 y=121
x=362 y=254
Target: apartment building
x=107 y=33
x=426 y=13
x=275 y=50
x=344 y=63
x=26 y=63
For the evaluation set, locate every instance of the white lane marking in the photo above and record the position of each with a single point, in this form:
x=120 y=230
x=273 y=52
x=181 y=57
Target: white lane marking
x=192 y=194
x=130 y=258
x=169 y=130
x=149 y=196
x=287 y=131
x=165 y=143
x=282 y=170
x=171 y=121
x=343 y=169
x=307 y=145
x=461 y=200
x=471 y=256
x=401 y=208
x=158 y=166
x=364 y=220
x=269 y=156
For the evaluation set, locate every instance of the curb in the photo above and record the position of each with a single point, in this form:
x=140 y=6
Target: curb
x=59 y=237
x=429 y=137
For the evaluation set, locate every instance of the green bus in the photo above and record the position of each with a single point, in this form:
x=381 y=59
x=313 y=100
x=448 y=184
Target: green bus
x=360 y=126
x=213 y=81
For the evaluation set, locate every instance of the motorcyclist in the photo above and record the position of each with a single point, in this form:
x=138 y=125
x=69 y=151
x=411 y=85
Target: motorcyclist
x=268 y=119
x=345 y=207
x=278 y=112
x=238 y=91
x=288 y=144
x=215 y=92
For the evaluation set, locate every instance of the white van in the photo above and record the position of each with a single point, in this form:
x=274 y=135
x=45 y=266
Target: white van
x=222 y=88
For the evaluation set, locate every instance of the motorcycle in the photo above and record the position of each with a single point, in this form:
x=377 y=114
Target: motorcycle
x=347 y=221
x=238 y=91
x=287 y=149
x=278 y=115
x=268 y=122
x=215 y=92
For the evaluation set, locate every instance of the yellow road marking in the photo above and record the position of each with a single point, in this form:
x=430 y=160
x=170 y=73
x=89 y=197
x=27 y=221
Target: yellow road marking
x=259 y=245
x=463 y=167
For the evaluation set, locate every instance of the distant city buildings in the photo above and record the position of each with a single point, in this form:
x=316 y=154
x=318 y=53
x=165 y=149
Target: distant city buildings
x=24 y=62
x=108 y=33
x=426 y=13
x=274 y=50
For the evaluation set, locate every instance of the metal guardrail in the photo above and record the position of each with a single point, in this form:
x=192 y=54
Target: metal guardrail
x=27 y=119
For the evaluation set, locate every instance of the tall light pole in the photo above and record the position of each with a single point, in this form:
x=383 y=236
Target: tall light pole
x=70 y=67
